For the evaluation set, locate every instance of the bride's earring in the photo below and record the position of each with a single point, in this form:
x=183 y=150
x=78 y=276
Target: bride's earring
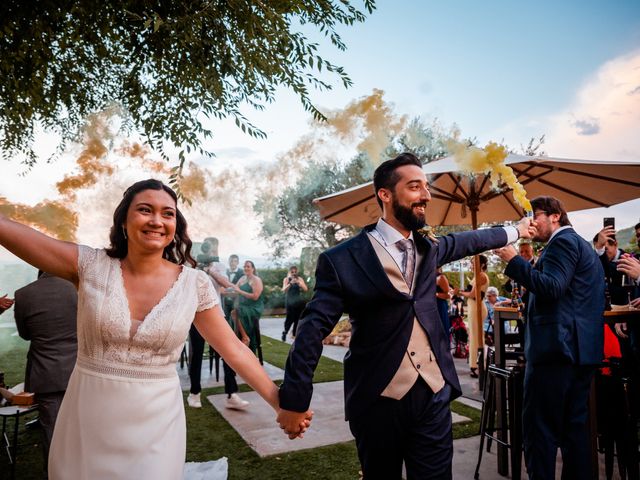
x=124 y=231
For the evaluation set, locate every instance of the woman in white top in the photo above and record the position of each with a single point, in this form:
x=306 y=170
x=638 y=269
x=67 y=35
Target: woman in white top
x=123 y=412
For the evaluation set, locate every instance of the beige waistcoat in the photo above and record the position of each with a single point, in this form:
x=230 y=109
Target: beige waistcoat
x=419 y=358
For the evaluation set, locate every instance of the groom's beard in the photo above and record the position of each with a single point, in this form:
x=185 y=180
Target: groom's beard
x=406 y=217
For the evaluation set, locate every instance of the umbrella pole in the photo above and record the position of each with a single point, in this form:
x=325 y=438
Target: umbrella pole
x=478 y=300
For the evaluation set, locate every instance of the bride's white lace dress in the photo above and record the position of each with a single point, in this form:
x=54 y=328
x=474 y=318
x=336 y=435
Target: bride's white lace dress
x=123 y=413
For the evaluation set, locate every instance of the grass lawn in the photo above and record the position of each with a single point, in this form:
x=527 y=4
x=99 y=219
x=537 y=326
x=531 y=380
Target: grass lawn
x=209 y=436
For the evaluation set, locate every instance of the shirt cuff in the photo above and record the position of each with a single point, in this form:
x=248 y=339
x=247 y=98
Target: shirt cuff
x=512 y=234
x=600 y=251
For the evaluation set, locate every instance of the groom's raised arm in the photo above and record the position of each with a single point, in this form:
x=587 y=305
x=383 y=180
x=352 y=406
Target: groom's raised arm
x=317 y=321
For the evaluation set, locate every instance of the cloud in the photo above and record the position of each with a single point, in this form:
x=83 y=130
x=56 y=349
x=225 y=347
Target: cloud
x=603 y=119
x=587 y=127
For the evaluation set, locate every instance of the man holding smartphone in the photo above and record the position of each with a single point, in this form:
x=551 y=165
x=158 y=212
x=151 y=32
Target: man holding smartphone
x=606 y=246
x=293 y=285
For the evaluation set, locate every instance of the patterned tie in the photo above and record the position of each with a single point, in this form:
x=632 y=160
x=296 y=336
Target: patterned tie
x=409 y=260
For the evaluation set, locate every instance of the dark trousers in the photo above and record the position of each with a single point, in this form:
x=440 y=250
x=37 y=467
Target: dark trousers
x=195 y=367
x=293 y=315
x=230 y=384
x=555 y=415
x=48 y=407
x=415 y=429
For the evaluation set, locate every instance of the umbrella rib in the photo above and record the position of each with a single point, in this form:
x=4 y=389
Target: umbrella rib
x=575 y=194
x=444 y=195
x=599 y=177
x=513 y=205
x=456 y=180
x=354 y=204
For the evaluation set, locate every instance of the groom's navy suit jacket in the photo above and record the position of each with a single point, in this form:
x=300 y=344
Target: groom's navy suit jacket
x=350 y=278
x=566 y=302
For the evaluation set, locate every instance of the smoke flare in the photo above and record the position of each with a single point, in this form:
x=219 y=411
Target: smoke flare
x=490 y=161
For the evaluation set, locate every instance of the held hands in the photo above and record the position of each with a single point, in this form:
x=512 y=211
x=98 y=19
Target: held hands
x=526 y=227
x=294 y=424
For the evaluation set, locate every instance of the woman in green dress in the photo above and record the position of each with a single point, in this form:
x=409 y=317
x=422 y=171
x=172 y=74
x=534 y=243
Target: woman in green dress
x=250 y=306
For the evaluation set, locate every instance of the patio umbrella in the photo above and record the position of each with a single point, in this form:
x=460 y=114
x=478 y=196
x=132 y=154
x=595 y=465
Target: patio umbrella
x=460 y=199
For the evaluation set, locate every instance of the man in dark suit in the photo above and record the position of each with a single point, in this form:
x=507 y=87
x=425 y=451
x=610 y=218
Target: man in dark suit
x=606 y=246
x=45 y=313
x=399 y=374
x=563 y=342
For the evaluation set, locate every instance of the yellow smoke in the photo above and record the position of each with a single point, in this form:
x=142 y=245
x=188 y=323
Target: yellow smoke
x=141 y=152
x=91 y=161
x=372 y=116
x=52 y=217
x=489 y=161
x=193 y=183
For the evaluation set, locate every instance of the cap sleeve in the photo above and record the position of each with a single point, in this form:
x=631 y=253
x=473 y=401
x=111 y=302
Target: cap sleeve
x=86 y=259
x=207 y=296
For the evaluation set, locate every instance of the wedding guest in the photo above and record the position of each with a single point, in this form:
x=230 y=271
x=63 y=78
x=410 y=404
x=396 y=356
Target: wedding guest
x=250 y=306
x=123 y=413
x=606 y=246
x=564 y=341
x=45 y=314
x=443 y=296
x=480 y=283
x=293 y=285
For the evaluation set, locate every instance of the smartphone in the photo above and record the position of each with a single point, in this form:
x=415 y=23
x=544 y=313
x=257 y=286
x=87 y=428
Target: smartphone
x=609 y=222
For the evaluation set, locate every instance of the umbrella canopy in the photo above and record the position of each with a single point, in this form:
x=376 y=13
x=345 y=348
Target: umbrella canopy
x=459 y=199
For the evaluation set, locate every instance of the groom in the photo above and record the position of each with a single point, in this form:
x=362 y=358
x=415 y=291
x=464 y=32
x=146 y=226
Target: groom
x=399 y=374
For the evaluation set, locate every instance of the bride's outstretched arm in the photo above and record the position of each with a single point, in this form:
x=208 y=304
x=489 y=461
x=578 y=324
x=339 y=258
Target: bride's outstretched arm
x=42 y=251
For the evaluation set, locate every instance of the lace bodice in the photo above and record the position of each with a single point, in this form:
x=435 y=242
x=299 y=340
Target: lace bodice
x=105 y=338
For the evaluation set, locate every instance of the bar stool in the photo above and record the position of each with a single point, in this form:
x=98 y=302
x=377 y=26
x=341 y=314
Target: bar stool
x=510 y=422
x=11 y=446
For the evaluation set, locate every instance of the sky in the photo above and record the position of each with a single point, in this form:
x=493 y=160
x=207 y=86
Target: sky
x=500 y=70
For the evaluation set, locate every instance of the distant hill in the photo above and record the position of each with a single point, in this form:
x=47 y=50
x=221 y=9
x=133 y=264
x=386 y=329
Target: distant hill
x=627 y=239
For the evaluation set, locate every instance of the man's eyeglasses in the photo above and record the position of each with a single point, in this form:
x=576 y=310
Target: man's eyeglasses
x=539 y=212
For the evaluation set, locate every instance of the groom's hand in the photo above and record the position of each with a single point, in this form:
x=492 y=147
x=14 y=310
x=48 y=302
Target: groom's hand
x=294 y=424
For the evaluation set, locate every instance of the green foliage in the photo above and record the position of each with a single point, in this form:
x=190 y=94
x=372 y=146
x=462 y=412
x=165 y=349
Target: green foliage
x=427 y=142
x=291 y=218
x=168 y=65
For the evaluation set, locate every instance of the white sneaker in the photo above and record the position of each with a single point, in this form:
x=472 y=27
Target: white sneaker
x=236 y=403
x=194 y=400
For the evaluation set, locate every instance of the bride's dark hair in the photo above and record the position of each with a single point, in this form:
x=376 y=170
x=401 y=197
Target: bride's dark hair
x=178 y=251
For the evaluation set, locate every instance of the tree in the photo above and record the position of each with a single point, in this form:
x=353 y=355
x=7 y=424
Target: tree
x=291 y=218
x=168 y=64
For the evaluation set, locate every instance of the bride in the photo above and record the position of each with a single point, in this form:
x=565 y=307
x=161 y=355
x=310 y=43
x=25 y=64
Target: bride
x=123 y=412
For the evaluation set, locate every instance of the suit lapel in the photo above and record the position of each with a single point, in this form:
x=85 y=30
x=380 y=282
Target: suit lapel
x=366 y=258
x=422 y=248
x=391 y=269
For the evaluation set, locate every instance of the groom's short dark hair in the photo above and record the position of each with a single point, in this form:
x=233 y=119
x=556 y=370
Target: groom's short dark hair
x=385 y=175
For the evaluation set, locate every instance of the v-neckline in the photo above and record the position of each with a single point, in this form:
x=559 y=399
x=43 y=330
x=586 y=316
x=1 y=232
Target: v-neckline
x=153 y=309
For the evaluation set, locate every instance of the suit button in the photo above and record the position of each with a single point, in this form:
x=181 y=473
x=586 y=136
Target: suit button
x=418 y=366
x=412 y=353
